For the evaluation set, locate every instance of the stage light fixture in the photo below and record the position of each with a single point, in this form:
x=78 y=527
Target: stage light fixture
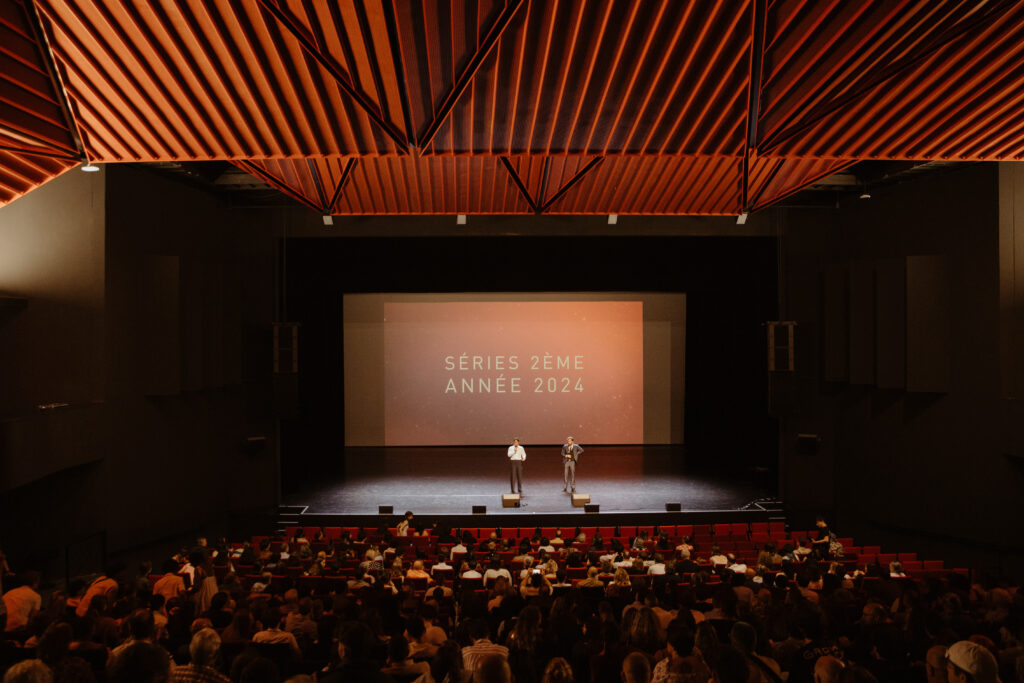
x=385 y=510
x=328 y=219
x=865 y=195
x=90 y=167
x=673 y=507
x=742 y=218
x=613 y=218
x=479 y=509
x=460 y=219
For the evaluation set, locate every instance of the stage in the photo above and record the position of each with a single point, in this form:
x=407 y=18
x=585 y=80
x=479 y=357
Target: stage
x=448 y=482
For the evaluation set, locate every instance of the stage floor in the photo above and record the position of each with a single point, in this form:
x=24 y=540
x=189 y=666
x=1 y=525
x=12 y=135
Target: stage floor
x=449 y=481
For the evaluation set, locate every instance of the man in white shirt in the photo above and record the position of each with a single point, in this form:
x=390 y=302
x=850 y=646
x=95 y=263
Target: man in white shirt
x=517 y=456
x=494 y=571
x=441 y=564
x=657 y=566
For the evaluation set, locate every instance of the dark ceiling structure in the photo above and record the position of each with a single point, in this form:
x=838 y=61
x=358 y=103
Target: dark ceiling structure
x=510 y=107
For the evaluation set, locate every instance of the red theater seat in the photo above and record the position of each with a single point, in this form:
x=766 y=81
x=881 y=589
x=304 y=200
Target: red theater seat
x=627 y=532
x=684 y=530
x=512 y=533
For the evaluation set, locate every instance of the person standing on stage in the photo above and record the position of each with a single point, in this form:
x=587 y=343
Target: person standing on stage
x=517 y=456
x=570 y=455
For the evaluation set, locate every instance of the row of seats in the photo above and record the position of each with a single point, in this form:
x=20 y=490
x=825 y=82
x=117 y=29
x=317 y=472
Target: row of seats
x=742 y=539
x=728 y=530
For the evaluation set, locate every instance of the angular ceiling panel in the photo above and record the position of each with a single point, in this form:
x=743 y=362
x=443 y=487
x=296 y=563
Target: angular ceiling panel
x=901 y=80
x=462 y=106
x=20 y=173
x=707 y=185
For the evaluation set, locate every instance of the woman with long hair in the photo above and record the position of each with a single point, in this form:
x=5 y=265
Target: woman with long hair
x=524 y=646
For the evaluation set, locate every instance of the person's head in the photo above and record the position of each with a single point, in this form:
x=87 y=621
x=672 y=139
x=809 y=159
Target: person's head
x=447 y=663
x=398 y=649
x=592 y=571
x=969 y=662
x=680 y=639
x=569 y=440
x=356 y=642
x=204 y=646
x=828 y=669
x=477 y=629
x=29 y=671
x=492 y=669
x=141 y=625
x=219 y=601
x=515 y=442
x=415 y=628
x=140 y=662
x=743 y=637
x=558 y=671
x=636 y=668
x=270 y=616
x=408 y=515
x=730 y=667
x=872 y=614
x=935 y=665
x=55 y=642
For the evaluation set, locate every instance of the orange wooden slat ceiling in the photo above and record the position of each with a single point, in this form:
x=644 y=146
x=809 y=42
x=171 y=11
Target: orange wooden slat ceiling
x=512 y=106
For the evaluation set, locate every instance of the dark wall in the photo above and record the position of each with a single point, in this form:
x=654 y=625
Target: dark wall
x=897 y=298
x=161 y=377
x=730 y=285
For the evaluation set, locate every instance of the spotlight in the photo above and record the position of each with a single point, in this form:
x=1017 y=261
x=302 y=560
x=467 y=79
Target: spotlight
x=865 y=195
x=742 y=218
x=90 y=167
x=613 y=218
x=460 y=219
x=328 y=219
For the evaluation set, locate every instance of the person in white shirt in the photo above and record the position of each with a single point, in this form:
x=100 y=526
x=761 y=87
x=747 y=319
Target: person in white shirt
x=657 y=566
x=403 y=527
x=494 y=571
x=24 y=602
x=516 y=456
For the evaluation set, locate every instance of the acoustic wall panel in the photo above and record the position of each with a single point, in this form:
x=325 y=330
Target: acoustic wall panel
x=836 y=336
x=862 y=323
x=891 y=323
x=928 y=324
x=161 y=357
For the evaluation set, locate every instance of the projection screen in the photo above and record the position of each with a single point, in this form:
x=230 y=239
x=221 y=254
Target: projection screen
x=482 y=368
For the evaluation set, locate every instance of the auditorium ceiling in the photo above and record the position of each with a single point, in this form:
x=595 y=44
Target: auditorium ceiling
x=490 y=107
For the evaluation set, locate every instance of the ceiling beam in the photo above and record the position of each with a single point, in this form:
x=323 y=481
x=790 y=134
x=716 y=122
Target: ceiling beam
x=466 y=77
x=345 y=174
x=572 y=181
x=758 y=10
x=306 y=42
x=519 y=183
